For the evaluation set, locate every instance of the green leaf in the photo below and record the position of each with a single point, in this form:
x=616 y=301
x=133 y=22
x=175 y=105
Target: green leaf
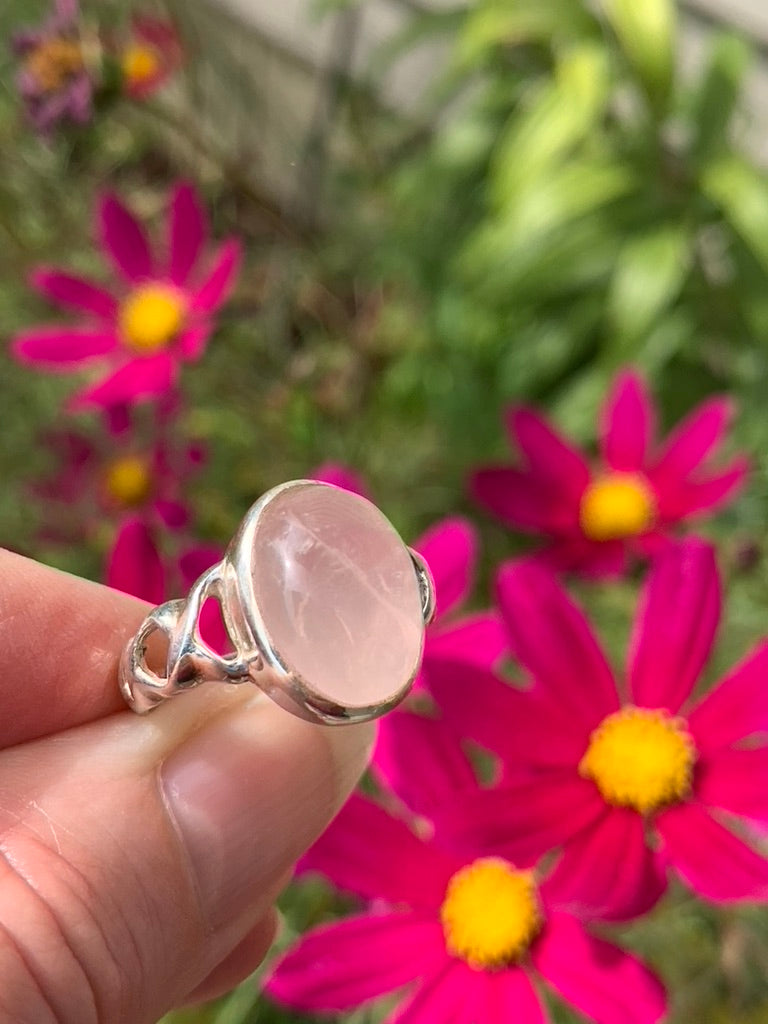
x=569 y=191
x=501 y=23
x=500 y=267
x=718 y=95
x=646 y=33
x=741 y=192
x=562 y=113
x=238 y=1007
x=649 y=274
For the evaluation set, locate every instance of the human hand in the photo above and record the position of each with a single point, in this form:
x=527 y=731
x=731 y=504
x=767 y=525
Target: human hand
x=140 y=855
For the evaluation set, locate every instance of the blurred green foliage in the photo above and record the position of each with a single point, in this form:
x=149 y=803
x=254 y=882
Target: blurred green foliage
x=563 y=201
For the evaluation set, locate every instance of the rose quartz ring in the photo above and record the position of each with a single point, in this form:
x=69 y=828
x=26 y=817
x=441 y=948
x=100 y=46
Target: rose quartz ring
x=324 y=604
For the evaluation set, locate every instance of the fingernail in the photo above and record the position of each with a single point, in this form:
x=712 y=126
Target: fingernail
x=249 y=793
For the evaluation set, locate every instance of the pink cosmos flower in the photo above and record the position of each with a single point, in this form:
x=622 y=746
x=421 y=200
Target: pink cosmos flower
x=462 y=936
x=151 y=56
x=629 y=778
x=630 y=501
x=134 y=563
x=450 y=549
x=159 y=314
x=132 y=467
x=54 y=81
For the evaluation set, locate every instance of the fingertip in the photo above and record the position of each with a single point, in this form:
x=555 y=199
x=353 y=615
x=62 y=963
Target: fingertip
x=66 y=635
x=244 y=960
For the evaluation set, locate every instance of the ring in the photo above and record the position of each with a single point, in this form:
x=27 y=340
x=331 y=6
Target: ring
x=324 y=605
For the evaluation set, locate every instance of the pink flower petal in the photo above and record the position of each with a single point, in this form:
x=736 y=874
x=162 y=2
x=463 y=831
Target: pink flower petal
x=683 y=498
x=510 y=998
x=344 y=965
x=675 y=626
x=520 y=820
x=340 y=476
x=174 y=514
x=368 y=852
x=420 y=761
x=448 y=996
x=117 y=420
x=63 y=347
x=552 y=639
x=652 y=544
x=158 y=32
x=72 y=449
x=188 y=232
x=714 y=862
x=523 y=501
x=123 y=239
x=479 y=639
x=736 y=708
x=133 y=381
x=627 y=424
x=521 y=727
x=216 y=287
x=596 y=560
x=197 y=560
x=74 y=292
x=134 y=564
x=603 y=560
x=600 y=980
x=67 y=11
x=193 y=341
x=736 y=781
x=450 y=550
x=691 y=441
x=608 y=871
x=549 y=457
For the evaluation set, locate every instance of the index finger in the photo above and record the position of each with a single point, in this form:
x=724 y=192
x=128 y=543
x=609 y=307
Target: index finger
x=60 y=643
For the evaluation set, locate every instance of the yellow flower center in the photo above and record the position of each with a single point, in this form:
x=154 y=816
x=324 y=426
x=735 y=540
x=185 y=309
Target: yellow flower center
x=53 y=62
x=128 y=480
x=152 y=316
x=491 y=913
x=615 y=506
x=640 y=758
x=139 y=63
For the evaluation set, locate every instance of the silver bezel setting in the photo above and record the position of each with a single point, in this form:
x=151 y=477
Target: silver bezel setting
x=190 y=661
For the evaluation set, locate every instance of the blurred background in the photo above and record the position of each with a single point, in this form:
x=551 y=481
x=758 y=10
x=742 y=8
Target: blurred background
x=447 y=208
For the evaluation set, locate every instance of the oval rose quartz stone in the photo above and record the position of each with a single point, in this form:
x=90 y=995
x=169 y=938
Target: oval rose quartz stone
x=338 y=594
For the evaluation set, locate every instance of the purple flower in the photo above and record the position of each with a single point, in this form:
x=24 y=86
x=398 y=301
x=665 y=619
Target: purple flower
x=53 y=80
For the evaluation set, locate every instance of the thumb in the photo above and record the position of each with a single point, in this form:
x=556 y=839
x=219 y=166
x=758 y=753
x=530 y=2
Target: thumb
x=139 y=853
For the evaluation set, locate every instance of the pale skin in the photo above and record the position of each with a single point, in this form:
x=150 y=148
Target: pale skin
x=140 y=857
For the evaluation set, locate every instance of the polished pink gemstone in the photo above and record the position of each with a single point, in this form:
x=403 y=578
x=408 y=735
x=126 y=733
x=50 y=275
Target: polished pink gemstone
x=338 y=594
